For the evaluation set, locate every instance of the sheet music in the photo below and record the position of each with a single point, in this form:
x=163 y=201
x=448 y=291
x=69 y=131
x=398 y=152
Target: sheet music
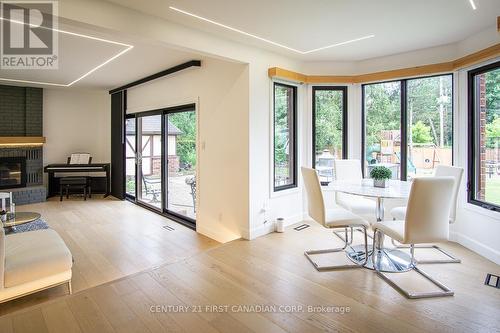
x=80 y=158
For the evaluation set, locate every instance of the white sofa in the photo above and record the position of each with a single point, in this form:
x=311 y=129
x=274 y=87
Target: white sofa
x=32 y=261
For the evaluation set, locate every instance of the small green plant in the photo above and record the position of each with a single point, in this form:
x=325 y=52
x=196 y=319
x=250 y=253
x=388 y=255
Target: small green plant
x=380 y=173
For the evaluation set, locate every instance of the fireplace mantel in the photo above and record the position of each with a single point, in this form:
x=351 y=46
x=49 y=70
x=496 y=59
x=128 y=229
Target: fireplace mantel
x=21 y=141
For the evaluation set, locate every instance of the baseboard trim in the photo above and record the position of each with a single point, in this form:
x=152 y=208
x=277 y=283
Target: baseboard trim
x=269 y=227
x=476 y=246
x=218 y=236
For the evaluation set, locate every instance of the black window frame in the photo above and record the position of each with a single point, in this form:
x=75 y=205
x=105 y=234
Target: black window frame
x=344 y=119
x=472 y=144
x=404 y=120
x=293 y=140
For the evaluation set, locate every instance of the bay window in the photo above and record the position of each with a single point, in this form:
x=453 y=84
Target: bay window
x=408 y=125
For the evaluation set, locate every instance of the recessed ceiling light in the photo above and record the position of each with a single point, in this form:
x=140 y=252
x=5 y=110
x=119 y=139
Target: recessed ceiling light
x=127 y=48
x=267 y=40
x=472 y=4
x=338 y=44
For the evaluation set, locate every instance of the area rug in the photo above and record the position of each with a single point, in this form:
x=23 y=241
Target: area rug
x=35 y=225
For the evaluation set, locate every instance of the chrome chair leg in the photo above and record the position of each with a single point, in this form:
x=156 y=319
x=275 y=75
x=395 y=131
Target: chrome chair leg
x=452 y=260
x=412 y=295
x=343 y=239
x=347 y=242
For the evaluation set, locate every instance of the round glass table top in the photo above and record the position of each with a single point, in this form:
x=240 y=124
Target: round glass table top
x=21 y=218
x=396 y=189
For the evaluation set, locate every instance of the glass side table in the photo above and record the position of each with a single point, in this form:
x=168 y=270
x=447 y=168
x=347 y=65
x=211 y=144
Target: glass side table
x=20 y=218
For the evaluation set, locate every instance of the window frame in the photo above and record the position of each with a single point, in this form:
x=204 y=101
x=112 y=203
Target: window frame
x=294 y=182
x=345 y=124
x=472 y=148
x=404 y=120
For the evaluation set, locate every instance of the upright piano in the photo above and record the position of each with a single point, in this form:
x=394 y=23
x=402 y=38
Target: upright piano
x=52 y=169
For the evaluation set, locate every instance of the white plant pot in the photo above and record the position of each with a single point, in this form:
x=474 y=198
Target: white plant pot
x=380 y=183
x=280 y=224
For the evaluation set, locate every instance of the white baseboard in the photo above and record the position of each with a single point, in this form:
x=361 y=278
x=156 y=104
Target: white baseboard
x=219 y=237
x=269 y=227
x=476 y=246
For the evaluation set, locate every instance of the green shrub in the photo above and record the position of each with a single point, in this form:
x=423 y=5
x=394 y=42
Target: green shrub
x=381 y=172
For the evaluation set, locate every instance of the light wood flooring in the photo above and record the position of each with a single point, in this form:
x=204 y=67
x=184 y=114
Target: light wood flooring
x=110 y=239
x=270 y=270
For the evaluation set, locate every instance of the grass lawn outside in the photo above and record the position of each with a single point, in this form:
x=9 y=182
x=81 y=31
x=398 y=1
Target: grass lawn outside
x=493 y=190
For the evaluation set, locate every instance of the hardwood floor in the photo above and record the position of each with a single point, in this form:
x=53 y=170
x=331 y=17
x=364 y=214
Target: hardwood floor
x=110 y=239
x=270 y=275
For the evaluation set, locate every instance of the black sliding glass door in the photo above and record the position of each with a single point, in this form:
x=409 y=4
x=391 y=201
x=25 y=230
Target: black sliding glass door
x=150 y=160
x=180 y=126
x=161 y=159
x=130 y=157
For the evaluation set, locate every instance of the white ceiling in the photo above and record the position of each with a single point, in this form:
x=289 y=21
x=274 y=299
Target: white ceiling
x=398 y=25
x=141 y=61
x=78 y=55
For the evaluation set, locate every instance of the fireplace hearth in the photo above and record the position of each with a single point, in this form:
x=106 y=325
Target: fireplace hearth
x=12 y=172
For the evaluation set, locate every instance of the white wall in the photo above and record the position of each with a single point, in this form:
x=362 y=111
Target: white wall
x=76 y=121
x=220 y=90
x=266 y=205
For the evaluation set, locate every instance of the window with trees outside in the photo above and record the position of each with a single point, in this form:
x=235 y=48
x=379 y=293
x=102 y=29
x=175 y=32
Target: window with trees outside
x=416 y=114
x=382 y=126
x=429 y=108
x=484 y=137
x=329 y=130
x=285 y=169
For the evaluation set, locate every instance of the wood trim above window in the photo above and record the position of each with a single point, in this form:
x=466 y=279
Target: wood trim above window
x=443 y=67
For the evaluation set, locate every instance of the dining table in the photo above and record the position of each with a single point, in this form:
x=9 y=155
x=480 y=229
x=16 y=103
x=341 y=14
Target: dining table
x=389 y=259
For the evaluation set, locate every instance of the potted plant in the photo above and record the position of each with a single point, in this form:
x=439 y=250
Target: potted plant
x=380 y=174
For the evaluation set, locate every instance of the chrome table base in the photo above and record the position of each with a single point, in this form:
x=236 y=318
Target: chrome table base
x=388 y=260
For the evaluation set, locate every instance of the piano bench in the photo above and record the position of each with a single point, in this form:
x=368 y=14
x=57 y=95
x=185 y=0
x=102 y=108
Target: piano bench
x=75 y=182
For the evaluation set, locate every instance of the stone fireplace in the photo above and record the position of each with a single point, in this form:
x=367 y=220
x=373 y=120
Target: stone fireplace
x=21 y=139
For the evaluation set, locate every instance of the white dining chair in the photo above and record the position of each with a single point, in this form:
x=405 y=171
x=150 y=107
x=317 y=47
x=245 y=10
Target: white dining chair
x=426 y=221
x=351 y=170
x=332 y=219
x=399 y=213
